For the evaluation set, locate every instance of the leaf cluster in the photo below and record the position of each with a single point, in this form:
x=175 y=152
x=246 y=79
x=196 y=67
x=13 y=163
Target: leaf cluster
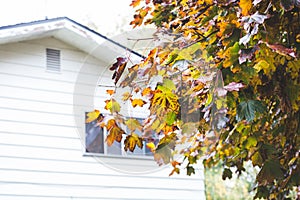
x=223 y=83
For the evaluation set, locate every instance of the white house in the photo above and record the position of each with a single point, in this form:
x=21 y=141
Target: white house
x=49 y=76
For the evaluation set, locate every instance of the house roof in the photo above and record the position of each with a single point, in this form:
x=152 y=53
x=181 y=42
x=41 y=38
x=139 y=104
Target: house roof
x=70 y=32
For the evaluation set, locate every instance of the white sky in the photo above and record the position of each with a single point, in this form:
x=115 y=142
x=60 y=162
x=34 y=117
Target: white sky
x=110 y=16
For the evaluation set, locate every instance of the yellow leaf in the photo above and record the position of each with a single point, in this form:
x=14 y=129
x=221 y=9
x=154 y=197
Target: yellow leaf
x=151 y=146
x=112 y=105
x=246 y=6
x=91 y=116
x=131 y=141
x=126 y=96
x=133 y=124
x=137 y=102
x=165 y=98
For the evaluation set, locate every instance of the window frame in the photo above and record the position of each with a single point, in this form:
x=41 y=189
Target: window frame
x=123 y=153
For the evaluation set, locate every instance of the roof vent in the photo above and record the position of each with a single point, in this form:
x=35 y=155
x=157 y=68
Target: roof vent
x=53 y=60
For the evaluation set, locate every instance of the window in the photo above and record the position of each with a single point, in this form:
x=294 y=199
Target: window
x=53 y=60
x=95 y=143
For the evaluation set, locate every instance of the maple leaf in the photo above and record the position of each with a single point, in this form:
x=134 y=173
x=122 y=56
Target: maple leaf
x=246 y=6
x=132 y=141
x=111 y=123
x=91 y=116
x=110 y=92
x=133 y=124
x=119 y=68
x=138 y=102
x=146 y=91
x=135 y=3
x=126 y=96
x=165 y=98
x=282 y=50
x=115 y=134
x=151 y=146
x=112 y=105
x=248 y=109
x=247 y=54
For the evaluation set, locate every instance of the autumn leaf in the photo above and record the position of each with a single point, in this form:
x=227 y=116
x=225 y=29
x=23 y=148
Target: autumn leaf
x=126 y=96
x=115 y=134
x=163 y=154
x=111 y=123
x=119 y=68
x=132 y=141
x=146 y=91
x=151 y=146
x=135 y=3
x=110 y=92
x=91 y=116
x=112 y=105
x=282 y=50
x=246 y=6
x=165 y=98
x=133 y=124
x=138 y=102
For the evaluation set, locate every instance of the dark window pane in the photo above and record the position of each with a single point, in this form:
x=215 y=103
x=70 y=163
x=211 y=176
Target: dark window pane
x=94 y=138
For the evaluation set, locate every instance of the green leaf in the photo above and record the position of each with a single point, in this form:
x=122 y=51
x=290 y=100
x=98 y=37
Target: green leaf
x=257 y=159
x=170 y=118
x=190 y=170
x=270 y=170
x=227 y=173
x=169 y=84
x=248 y=109
x=251 y=142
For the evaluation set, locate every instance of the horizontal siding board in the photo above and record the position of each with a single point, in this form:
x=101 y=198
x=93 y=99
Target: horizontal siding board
x=37 y=117
x=11 y=103
x=40 y=141
x=90 y=181
x=45 y=129
x=65 y=77
x=45 y=95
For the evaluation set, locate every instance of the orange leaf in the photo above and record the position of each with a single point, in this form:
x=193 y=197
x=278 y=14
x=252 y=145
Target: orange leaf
x=246 y=6
x=91 y=116
x=135 y=3
x=138 y=102
x=115 y=134
x=146 y=91
x=111 y=123
x=110 y=92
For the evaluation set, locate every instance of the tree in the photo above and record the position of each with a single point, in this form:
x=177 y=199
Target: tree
x=222 y=84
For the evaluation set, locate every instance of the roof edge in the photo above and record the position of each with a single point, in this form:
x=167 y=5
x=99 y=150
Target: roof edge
x=76 y=23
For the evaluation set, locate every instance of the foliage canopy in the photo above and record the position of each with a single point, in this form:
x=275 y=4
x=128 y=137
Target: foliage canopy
x=221 y=84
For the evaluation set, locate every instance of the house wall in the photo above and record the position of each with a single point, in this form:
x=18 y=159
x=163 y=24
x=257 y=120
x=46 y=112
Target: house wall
x=41 y=126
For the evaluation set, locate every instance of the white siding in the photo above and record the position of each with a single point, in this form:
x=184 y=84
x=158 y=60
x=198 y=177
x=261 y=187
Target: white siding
x=42 y=123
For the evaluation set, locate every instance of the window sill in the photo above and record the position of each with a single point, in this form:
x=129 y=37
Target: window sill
x=130 y=157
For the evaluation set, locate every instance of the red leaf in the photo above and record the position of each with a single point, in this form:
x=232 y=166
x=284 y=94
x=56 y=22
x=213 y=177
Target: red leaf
x=282 y=50
x=119 y=68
